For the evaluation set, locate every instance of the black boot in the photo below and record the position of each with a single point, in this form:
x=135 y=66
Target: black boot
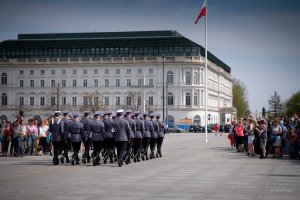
x=62 y=159
x=67 y=160
x=73 y=159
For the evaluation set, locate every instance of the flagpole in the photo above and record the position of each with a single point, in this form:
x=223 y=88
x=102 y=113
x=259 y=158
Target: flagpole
x=206 y=79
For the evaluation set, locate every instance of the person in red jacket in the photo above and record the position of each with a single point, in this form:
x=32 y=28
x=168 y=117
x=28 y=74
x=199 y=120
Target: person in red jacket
x=7 y=138
x=216 y=129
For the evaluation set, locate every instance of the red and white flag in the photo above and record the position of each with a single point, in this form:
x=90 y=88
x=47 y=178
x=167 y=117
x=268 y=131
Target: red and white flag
x=202 y=12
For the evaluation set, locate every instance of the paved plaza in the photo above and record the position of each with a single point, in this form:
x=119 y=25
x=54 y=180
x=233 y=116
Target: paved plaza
x=189 y=169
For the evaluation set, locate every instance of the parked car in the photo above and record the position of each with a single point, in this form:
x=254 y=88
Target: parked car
x=175 y=129
x=226 y=128
x=199 y=129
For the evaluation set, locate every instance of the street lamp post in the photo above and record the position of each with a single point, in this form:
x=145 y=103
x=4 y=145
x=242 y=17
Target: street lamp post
x=163 y=88
x=57 y=105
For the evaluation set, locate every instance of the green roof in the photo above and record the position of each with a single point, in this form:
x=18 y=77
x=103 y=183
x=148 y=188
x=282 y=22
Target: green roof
x=106 y=44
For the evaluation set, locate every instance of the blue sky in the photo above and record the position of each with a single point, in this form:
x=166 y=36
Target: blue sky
x=258 y=39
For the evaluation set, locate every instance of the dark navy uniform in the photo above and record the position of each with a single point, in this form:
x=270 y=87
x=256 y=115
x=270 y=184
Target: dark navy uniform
x=87 y=137
x=97 y=128
x=76 y=130
x=161 y=134
x=138 y=139
x=66 y=143
x=122 y=136
x=147 y=136
x=109 y=140
x=132 y=136
x=153 y=140
x=56 y=127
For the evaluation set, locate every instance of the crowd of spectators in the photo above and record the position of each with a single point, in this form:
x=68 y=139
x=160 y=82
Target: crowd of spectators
x=275 y=138
x=20 y=138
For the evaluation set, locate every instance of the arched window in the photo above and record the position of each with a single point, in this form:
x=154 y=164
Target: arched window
x=170 y=99
x=188 y=99
x=196 y=78
x=4 y=99
x=197 y=120
x=170 y=77
x=188 y=80
x=196 y=99
x=3 y=79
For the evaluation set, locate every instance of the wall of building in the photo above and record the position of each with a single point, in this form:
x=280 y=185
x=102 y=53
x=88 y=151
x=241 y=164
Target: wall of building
x=146 y=80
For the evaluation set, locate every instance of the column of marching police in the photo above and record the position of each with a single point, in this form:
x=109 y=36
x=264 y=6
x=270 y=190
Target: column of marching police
x=131 y=134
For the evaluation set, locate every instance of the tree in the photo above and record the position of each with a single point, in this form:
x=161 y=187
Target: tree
x=240 y=102
x=293 y=105
x=275 y=106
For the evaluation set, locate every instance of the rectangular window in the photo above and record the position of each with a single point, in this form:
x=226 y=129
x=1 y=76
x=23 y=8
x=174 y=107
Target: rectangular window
x=106 y=82
x=150 y=71
x=117 y=82
x=63 y=72
x=195 y=99
x=95 y=71
x=128 y=71
x=74 y=72
x=140 y=82
x=85 y=71
x=95 y=82
x=63 y=83
x=31 y=101
x=42 y=101
x=53 y=101
x=52 y=72
x=31 y=83
x=31 y=72
x=42 y=72
x=117 y=71
x=74 y=83
x=128 y=82
x=139 y=101
x=42 y=83
x=106 y=101
x=85 y=101
x=151 y=82
x=106 y=71
x=150 y=101
x=64 y=101
x=21 y=83
x=128 y=101
x=96 y=101
x=74 y=101
x=21 y=72
x=84 y=83
x=139 y=71
x=118 y=100
x=21 y=102
x=52 y=83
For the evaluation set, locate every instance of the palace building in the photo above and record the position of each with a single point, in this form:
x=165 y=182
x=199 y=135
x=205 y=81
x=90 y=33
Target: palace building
x=141 y=70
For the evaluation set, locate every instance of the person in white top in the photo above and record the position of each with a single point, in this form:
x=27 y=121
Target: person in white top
x=43 y=133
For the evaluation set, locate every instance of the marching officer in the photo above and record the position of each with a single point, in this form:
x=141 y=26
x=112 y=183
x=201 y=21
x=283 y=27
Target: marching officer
x=66 y=142
x=56 y=127
x=147 y=136
x=97 y=128
x=138 y=140
x=108 y=135
x=161 y=134
x=153 y=140
x=132 y=135
x=87 y=136
x=122 y=135
x=76 y=130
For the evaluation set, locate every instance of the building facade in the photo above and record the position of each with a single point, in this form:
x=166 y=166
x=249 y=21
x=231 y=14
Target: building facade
x=145 y=71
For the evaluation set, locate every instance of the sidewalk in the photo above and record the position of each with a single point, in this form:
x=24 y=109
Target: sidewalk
x=189 y=169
